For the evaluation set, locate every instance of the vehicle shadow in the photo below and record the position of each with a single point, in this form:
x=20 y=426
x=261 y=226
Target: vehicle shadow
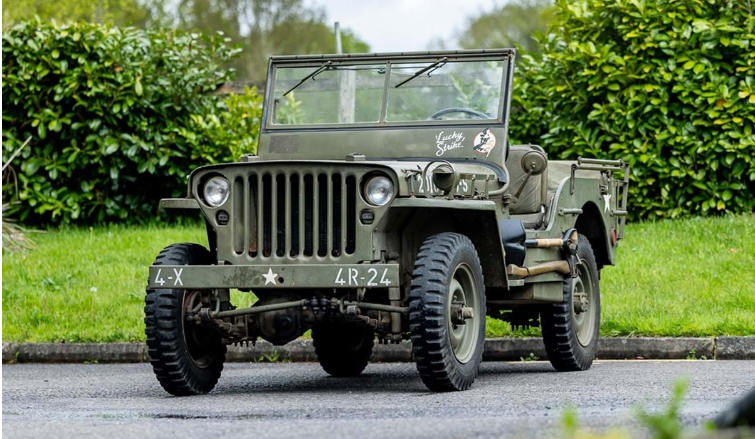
x=404 y=380
x=373 y=382
x=518 y=367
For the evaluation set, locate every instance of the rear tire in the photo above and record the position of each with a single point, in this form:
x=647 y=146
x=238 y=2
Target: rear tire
x=344 y=348
x=570 y=332
x=186 y=359
x=447 y=274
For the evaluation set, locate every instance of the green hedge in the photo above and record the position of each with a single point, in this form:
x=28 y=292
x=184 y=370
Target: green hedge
x=668 y=85
x=118 y=118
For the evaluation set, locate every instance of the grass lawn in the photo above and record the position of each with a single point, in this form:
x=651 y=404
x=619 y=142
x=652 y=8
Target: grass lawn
x=693 y=277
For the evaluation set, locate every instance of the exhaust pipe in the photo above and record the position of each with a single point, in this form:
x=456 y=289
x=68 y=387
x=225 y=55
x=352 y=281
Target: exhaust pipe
x=568 y=242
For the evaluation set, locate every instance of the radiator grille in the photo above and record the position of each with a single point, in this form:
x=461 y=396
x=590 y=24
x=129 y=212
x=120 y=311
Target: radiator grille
x=292 y=214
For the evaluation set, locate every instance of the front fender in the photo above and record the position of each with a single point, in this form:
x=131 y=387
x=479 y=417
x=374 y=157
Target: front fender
x=412 y=220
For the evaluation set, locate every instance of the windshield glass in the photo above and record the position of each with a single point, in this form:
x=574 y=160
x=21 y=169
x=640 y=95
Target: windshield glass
x=451 y=91
x=436 y=89
x=336 y=94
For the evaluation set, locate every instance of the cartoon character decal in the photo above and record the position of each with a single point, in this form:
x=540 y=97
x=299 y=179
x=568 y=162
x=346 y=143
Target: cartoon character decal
x=484 y=142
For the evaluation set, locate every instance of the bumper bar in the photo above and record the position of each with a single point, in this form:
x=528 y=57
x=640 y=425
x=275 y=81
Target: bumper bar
x=274 y=276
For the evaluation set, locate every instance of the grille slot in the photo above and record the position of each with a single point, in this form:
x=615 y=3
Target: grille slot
x=294 y=214
x=337 y=210
x=351 y=214
x=251 y=216
x=237 y=222
x=322 y=215
x=267 y=215
x=280 y=215
x=309 y=215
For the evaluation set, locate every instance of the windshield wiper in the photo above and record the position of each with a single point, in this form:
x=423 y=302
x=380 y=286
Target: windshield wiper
x=311 y=75
x=436 y=65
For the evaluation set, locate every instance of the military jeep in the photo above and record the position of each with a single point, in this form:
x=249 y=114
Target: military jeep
x=386 y=203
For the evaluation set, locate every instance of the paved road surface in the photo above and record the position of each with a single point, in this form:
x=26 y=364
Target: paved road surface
x=508 y=400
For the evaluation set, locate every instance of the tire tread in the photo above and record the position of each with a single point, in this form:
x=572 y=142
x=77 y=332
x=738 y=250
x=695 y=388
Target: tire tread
x=163 y=327
x=561 y=345
x=335 y=356
x=432 y=352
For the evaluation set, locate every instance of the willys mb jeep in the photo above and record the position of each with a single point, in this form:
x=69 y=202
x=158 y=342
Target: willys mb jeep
x=385 y=203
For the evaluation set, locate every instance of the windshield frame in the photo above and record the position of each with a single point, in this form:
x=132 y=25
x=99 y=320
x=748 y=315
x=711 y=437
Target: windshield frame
x=315 y=61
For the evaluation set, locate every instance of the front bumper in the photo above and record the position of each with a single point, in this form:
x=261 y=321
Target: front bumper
x=274 y=276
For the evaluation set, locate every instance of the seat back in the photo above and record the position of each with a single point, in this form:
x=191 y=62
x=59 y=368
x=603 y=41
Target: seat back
x=534 y=193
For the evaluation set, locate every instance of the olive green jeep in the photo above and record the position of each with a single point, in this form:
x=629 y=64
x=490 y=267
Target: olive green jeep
x=385 y=203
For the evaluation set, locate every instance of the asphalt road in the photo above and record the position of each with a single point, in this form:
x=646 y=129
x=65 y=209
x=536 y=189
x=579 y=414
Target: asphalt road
x=508 y=400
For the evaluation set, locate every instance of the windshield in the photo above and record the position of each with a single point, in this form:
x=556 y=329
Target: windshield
x=368 y=93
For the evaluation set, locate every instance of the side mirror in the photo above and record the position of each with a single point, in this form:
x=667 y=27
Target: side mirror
x=533 y=163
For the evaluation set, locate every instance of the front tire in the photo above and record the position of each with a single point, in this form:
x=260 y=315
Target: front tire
x=187 y=359
x=344 y=348
x=571 y=328
x=446 y=283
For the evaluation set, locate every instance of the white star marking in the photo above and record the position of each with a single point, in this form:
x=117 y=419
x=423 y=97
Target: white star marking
x=270 y=277
x=607 y=198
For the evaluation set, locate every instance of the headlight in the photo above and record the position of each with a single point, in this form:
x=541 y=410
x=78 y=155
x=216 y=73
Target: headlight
x=378 y=190
x=216 y=191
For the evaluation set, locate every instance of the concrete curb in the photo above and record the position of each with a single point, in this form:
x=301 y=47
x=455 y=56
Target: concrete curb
x=496 y=349
x=74 y=352
x=740 y=348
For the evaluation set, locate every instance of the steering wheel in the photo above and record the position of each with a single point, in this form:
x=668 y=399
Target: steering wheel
x=471 y=112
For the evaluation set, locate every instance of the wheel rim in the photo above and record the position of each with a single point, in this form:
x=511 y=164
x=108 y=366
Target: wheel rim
x=583 y=304
x=198 y=341
x=463 y=292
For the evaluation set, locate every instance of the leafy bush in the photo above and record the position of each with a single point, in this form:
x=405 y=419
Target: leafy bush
x=666 y=85
x=233 y=126
x=118 y=117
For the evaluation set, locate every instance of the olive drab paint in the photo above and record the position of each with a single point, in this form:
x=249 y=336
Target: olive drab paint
x=401 y=152
x=298 y=226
